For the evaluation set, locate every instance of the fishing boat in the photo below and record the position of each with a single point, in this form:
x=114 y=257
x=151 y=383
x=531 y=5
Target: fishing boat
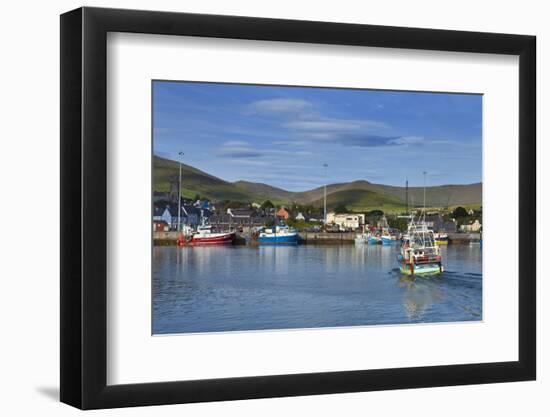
x=362 y=238
x=374 y=239
x=386 y=239
x=441 y=238
x=205 y=236
x=280 y=234
x=419 y=255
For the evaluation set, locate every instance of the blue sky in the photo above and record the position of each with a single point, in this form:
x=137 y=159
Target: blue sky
x=282 y=136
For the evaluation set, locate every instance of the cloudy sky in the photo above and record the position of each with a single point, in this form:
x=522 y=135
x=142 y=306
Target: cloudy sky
x=282 y=136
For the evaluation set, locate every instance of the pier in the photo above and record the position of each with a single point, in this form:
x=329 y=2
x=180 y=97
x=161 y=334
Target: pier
x=325 y=237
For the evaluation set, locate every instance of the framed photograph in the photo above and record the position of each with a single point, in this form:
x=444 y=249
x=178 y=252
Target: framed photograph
x=257 y=208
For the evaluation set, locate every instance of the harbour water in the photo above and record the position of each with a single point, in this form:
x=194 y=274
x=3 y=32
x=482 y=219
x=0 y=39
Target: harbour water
x=238 y=288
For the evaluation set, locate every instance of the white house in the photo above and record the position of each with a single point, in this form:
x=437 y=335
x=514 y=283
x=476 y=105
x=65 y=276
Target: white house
x=472 y=227
x=346 y=220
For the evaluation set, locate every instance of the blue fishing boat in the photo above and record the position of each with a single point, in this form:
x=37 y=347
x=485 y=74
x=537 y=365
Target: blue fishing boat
x=388 y=240
x=281 y=234
x=374 y=240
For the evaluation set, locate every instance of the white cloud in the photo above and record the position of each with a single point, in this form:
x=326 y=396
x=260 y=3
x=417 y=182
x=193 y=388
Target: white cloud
x=334 y=125
x=406 y=140
x=235 y=143
x=279 y=106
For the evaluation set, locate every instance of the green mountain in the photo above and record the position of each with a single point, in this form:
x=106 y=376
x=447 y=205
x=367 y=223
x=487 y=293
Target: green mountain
x=267 y=192
x=359 y=195
x=195 y=181
x=436 y=196
x=357 y=199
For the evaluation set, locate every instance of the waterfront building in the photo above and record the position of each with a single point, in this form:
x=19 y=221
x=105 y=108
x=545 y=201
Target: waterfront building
x=283 y=214
x=471 y=227
x=352 y=221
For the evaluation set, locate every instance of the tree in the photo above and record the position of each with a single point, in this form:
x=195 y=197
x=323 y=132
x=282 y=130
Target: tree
x=375 y=213
x=235 y=204
x=267 y=204
x=270 y=222
x=341 y=209
x=197 y=197
x=398 y=223
x=460 y=212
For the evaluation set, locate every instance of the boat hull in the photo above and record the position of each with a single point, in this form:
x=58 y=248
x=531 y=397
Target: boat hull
x=217 y=239
x=290 y=239
x=422 y=269
x=388 y=241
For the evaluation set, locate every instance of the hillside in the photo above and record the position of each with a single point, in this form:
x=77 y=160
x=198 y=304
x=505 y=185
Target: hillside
x=195 y=181
x=264 y=190
x=360 y=195
x=357 y=199
x=436 y=196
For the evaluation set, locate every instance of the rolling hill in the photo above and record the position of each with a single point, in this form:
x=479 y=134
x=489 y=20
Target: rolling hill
x=358 y=195
x=436 y=196
x=195 y=181
x=357 y=199
x=264 y=190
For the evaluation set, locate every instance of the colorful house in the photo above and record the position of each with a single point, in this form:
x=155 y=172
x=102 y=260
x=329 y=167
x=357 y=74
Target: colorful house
x=160 y=226
x=282 y=214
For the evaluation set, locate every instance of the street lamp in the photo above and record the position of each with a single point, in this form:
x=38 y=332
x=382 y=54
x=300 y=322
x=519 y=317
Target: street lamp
x=424 y=173
x=179 y=193
x=325 y=165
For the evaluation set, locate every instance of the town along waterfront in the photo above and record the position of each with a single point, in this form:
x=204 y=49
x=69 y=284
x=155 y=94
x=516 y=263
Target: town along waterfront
x=238 y=288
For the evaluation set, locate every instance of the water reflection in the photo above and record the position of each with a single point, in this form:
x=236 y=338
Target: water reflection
x=224 y=288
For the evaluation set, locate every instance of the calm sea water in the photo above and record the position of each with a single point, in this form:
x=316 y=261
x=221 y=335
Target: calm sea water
x=229 y=288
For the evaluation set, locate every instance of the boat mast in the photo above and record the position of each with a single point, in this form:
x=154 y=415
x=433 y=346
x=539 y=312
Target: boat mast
x=179 y=194
x=325 y=165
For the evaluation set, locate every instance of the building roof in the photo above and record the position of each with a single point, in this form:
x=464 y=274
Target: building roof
x=240 y=212
x=191 y=210
x=158 y=210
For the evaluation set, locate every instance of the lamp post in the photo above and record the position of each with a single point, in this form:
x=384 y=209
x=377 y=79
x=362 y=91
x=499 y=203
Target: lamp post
x=424 y=173
x=179 y=193
x=325 y=165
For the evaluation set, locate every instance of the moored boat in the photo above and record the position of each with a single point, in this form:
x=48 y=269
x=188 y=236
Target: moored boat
x=441 y=238
x=374 y=239
x=281 y=234
x=386 y=240
x=362 y=238
x=205 y=236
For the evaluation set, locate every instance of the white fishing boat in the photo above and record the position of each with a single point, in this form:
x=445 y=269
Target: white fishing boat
x=420 y=254
x=362 y=238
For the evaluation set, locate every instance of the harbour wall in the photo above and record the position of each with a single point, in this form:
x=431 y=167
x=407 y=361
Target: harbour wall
x=165 y=238
x=170 y=238
x=324 y=237
x=464 y=237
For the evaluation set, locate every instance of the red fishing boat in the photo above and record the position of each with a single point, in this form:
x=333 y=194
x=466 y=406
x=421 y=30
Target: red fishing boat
x=205 y=236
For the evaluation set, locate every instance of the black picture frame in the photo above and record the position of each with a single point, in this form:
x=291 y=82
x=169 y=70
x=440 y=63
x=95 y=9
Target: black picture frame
x=84 y=207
